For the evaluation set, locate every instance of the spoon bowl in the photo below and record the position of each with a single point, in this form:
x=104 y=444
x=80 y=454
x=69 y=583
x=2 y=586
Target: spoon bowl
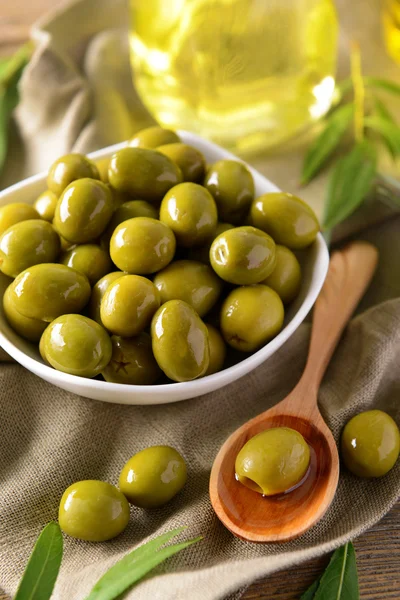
x=245 y=512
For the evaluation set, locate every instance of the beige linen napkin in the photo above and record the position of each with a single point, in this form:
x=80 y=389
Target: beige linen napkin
x=76 y=93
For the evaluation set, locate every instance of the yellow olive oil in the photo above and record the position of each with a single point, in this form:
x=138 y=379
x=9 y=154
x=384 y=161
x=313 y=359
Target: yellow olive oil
x=246 y=73
x=391 y=25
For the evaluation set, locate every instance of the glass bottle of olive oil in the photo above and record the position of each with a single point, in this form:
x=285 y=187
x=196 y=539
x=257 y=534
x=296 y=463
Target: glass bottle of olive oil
x=247 y=74
x=391 y=25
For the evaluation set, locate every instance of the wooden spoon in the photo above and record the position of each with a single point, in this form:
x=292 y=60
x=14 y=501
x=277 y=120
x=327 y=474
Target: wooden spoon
x=248 y=514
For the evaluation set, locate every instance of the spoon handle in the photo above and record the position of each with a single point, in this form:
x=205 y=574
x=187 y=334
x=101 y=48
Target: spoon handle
x=350 y=272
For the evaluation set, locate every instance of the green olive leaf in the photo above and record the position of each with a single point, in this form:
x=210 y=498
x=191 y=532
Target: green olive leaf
x=382 y=111
x=389 y=132
x=135 y=565
x=10 y=72
x=382 y=84
x=327 y=141
x=350 y=182
x=339 y=581
x=41 y=572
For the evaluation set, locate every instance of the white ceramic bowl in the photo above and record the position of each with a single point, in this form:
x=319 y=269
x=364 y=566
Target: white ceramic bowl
x=314 y=264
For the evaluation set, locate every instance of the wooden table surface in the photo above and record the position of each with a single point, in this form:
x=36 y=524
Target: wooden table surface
x=378 y=550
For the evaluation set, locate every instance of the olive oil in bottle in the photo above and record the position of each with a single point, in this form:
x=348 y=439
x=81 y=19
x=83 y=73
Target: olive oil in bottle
x=246 y=73
x=391 y=26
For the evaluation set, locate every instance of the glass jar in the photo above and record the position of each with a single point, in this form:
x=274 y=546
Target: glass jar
x=247 y=74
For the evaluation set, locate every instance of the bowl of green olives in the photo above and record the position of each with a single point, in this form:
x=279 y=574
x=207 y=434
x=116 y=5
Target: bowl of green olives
x=153 y=271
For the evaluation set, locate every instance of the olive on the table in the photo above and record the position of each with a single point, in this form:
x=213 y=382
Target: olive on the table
x=285 y=279
x=190 y=160
x=26 y=244
x=77 y=345
x=89 y=259
x=30 y=329
x=98 y=291
x=128 y=305
x=202 y=253
x=83 y=211
x=127 y=210
x=217 y=350
x=190 y=211
x=273 y=461
x=191 y=281
x=132 y=361
x=143 y=173
x=232 y=185
x=153 y=476
x=142 y=246
x=180 y=341
x=370 y=444
x=13 y=213
x=69 y=168
x=289 y=220
x=251 y=316
x=46 y=204
x=46 y=291
x=93 y=511
x=151 y=137
x=243 y=255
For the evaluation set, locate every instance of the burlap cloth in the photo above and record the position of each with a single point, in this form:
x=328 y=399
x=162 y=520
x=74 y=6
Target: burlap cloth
x=77 y=93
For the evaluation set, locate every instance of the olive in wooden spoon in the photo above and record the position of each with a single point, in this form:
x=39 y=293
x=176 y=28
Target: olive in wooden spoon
x=277 y=518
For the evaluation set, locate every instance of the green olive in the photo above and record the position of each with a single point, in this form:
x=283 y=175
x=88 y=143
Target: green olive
x=93 y=511
x=285 y=279
x=273 y=461
x=89 y=259
x=128 y=305
x=143 y=173
x=26 y=244
x=243 y=255
x=98 y=291
x=30 y=329
x=190 y=160
x=132 y=361
x=231 y=184
x=69 y=168
x=127 y=210
x=153 y=476
x=102 y=165
x=151 y=137
x=251 y=316
x=66 y=246
x=77 y=345
x=46 y=291
x=83 y=211
x=180 y=341
x=202 y=253
x=142 y=246
x=190 y=211
x=217 y=350
x=370 y=444
x=46 y=204
x=13 y=213
x=191 y=281
x=289 y=220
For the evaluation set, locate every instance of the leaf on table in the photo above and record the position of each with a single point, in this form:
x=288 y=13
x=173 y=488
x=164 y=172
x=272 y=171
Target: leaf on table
x=350 y=182
x=340 y=579
x=135 y=565
x=41 y=572
x=382 y=84
x=327 y=142
x=389 y=132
